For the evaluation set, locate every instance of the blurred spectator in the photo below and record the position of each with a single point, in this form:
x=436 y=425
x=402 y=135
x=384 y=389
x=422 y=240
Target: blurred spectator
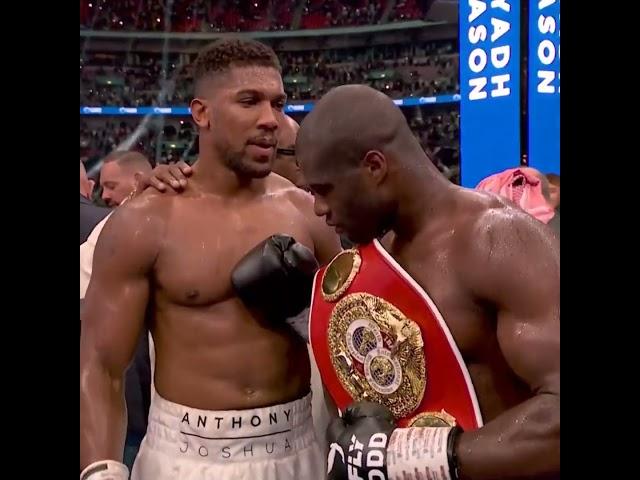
x=554 y=190
x=238 y=15
x=119 y=174
x=285 y=163
x=529 y=189
x=90 y=214
x=426 y=69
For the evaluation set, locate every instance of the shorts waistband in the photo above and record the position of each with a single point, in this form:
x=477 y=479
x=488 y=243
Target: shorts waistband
x=230 y=435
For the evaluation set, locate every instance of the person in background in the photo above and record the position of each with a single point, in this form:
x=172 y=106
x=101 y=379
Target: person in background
x=285 y=163
x=554 y=190
x=90 y=214
x=119 y=174
x=529 y=189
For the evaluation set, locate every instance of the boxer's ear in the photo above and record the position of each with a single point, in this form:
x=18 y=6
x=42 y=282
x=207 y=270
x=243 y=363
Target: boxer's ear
x=200 y=112
x=375 y=164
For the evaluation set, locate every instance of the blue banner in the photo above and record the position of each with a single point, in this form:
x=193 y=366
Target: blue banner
x=544 y=85
x=290 y=108
x=490 y=88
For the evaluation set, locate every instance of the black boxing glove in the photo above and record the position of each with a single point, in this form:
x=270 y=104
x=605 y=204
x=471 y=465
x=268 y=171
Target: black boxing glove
x=358 y=442
x=365 y=445
x=275 y=279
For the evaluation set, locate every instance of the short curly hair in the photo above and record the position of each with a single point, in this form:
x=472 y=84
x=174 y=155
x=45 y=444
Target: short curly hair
x=234 y=52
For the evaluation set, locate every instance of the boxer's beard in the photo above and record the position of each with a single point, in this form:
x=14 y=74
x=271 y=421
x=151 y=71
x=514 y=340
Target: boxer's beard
x=237 y=162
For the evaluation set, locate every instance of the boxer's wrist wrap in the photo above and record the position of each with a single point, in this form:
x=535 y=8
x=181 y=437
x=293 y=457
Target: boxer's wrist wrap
x=423 y=452
x=105 y=470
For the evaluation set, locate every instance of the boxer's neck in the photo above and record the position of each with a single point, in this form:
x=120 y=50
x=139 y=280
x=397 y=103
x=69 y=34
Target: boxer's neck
x=424 y=196
x=214 y=177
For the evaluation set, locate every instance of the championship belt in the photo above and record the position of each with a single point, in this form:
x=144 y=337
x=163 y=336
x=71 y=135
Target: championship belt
x=377 y=336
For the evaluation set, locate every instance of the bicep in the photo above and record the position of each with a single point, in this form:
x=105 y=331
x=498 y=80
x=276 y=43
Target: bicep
x=530 y=343
x=116 y=300
x=522 y=282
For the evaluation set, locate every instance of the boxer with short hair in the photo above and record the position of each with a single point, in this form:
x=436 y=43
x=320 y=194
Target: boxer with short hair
x=486 y=277
x=214 y=272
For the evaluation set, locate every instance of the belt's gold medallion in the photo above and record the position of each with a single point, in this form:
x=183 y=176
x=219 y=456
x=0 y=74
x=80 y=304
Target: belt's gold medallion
x=377 y=352
x=339 y=274
x=433 y=419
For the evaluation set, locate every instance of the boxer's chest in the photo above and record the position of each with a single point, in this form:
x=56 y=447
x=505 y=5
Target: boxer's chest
x=434 y=270
x=204 y=244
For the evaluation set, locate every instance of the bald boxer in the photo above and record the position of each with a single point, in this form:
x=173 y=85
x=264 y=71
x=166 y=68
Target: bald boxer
x=491 y=270
x=214 y=272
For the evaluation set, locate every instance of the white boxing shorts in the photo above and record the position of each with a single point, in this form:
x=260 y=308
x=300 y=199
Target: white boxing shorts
x=271 y=443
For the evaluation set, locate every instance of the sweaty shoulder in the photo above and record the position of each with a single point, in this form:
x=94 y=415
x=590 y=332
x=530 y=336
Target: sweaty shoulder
x=325 y=239
x=303 y=201
x=494 y=235
x=139 y=223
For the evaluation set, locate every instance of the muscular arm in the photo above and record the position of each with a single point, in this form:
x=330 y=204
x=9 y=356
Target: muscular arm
x=113 y=318
x=515 y=267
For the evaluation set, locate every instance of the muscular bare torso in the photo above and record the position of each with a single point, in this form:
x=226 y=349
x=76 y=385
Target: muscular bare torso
x=437 y=259
x=210 y=352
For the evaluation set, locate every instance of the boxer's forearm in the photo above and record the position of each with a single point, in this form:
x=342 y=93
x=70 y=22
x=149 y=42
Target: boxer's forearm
x=102 y=415
x=523 y=442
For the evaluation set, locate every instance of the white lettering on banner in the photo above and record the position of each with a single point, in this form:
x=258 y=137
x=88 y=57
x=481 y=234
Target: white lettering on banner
x=545 y=85
x=502 y=90
x=499 y=55
x=547 y=51
x=501 y=4
x=546 y=24
x=477 y=60
x=500 y=27
x=478 y=84
x=477 y=34
x=500 y=61
x=478 y=7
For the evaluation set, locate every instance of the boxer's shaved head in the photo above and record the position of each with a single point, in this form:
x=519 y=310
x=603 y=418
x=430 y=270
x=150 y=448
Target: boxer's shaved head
x=119 y=173
x=350 y=121
x=352 y=149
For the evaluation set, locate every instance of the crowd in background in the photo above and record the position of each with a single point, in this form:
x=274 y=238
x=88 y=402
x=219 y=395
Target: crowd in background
x=143 y=79
x=241 y=15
